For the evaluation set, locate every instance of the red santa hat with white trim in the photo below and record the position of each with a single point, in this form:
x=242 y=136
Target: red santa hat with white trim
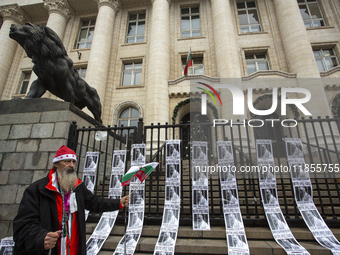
x=64 y=153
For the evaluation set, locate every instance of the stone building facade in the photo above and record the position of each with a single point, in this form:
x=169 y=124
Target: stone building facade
x=133 y=51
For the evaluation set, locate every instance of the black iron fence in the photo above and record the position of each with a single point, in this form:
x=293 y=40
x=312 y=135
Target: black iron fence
x=320 y=138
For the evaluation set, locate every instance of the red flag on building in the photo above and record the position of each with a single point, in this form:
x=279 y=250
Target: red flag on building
x=188 y=64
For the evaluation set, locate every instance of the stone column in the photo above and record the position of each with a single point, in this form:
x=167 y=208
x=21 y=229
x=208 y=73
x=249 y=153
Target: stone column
x=98 y=64
x=12 y=14
x=158 y=67
x=59 y=13
x=227 y=55
x=299 y=54
x=225 y=37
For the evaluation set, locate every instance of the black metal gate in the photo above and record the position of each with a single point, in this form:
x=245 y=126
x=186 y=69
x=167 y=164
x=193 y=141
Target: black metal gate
x=319 y=136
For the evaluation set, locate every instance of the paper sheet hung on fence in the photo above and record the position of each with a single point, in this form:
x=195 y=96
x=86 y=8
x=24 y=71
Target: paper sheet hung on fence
x=235 y=233
x=168 y=233
x=89 y=173
x=268 y=189
x=108 y=219
x=303 y=194
x=136 y=205
x=200 y=193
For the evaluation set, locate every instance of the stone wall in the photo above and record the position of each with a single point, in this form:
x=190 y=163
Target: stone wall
x=31 y=131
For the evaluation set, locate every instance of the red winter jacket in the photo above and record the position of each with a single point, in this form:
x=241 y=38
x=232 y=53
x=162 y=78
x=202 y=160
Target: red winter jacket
x=40 y=212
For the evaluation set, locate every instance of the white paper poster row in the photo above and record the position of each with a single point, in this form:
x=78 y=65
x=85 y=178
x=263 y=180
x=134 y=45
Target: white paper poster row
x=200 y=193
x=89 y=173
x=168 y=233
x=268 y=189
x=235 y=233
x=136 y=206
x=108 y=219
x=303 y=194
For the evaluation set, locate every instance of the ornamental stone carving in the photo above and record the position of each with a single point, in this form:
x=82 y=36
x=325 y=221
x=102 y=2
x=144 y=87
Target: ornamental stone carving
x=13 y=12
x=114 y=4
x=59 y=6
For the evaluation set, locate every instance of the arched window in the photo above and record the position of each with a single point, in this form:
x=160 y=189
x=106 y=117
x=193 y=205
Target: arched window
x=129 y=118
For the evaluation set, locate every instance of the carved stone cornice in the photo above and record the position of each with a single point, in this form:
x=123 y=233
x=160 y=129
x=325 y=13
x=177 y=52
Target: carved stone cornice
x=114 y=4
x=59 y=6
x=152 y=1
x=267 y=73
x=330 y=71
x=13 y=12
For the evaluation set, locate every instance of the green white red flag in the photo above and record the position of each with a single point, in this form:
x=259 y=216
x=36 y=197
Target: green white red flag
x=140 y=172
x=189 y=63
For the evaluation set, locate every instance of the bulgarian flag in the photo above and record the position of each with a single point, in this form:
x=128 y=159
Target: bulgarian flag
x=188 y=64
x=141 y=172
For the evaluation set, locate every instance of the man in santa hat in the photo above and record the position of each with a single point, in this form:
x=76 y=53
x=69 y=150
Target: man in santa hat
x=51 y=214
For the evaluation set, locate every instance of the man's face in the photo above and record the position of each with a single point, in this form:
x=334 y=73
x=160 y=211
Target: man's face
x=172 y=147
x=312 y=217
x=170 y=214
x=171 y=169
x=232 y=219
x=228 y=193
x=66 y=165
x=235 y=240
x=135 y=217
x=285 y=242
x=66 y=175
x=137 y=151
x=275 y=219
x=268 y=193
x=302 y=191
x=106 y=222
x=172 y=191
x=263 y=148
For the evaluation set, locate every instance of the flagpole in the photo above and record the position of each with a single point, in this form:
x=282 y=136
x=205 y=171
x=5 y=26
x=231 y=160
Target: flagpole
x=125 y=224
x=142 y=181
x=135 y=189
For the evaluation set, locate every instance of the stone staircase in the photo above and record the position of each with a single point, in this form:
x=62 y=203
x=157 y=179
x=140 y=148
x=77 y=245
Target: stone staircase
x=258 y=233
x=260 y=240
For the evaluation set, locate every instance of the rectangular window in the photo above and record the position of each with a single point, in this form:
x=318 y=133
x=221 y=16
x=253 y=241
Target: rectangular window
x=132 y=74
x=311 y=13
x=24 y=83
x=197 y=65
x=136 y=28
x=257 y=62
x=190 y=22
x=248 y=17
x=82 y=72
x=326 y=59
x=86 y=34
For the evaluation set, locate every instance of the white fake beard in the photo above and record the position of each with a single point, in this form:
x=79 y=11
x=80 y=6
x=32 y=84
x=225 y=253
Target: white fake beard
x=67 y=179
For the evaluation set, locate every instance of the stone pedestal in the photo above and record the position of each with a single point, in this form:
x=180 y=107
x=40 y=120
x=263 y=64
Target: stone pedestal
x=32 y=130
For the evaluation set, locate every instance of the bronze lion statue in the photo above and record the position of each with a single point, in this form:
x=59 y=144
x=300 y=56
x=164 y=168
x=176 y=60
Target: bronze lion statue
x=54 y=68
